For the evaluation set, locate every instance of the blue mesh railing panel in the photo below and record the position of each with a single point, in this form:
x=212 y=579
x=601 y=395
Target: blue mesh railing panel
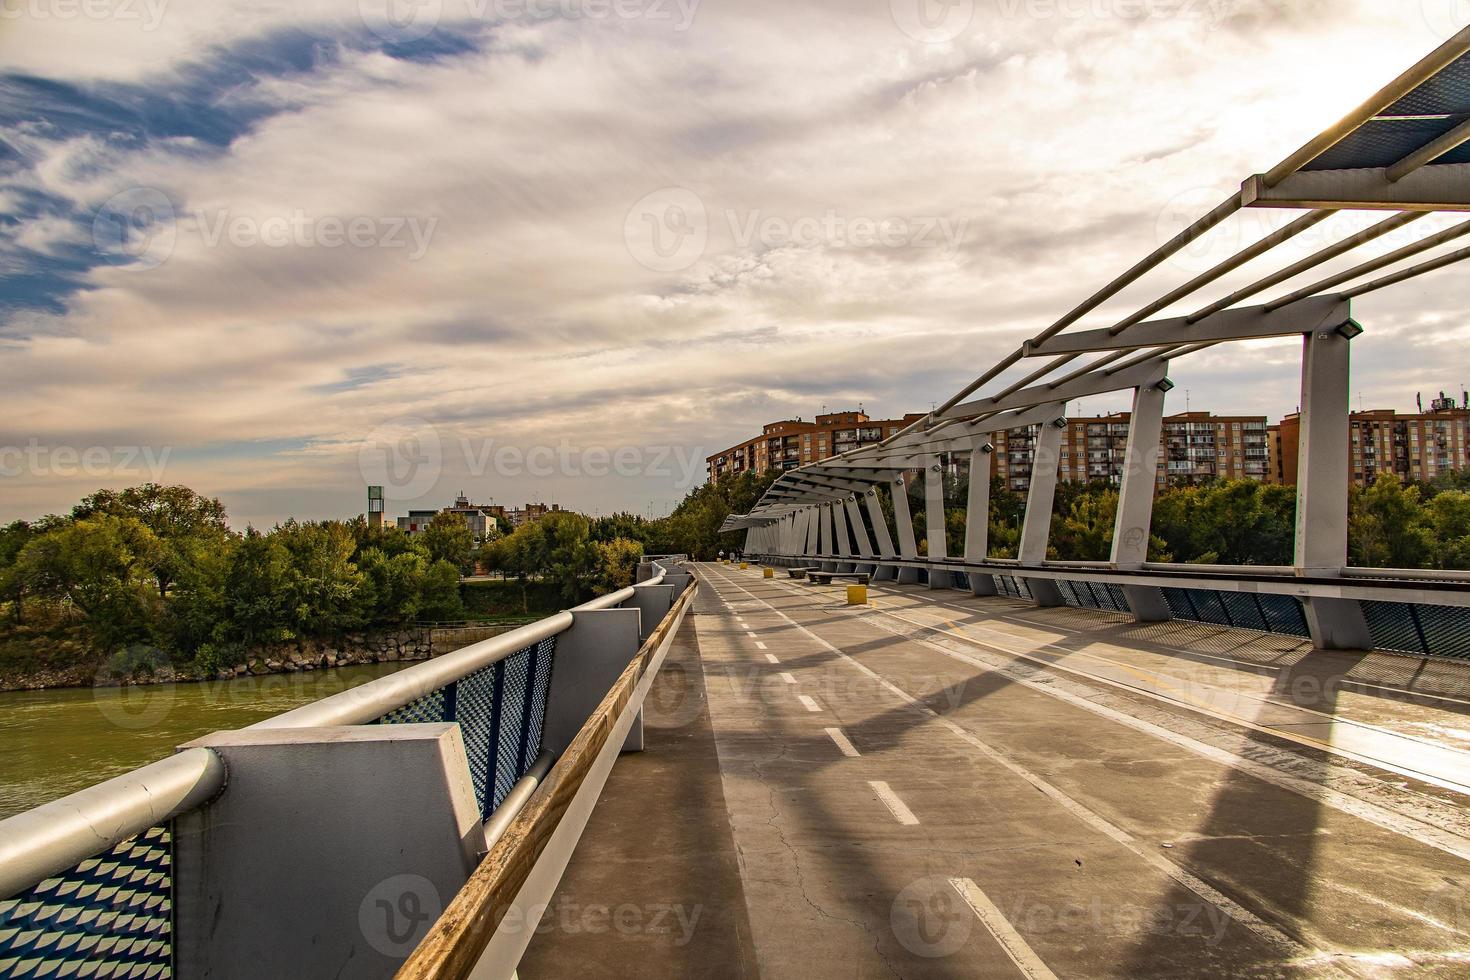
x=1284 y=614
x=1011 y=586
x=500 y=710
x=1244 y=611
x=1395 y=626
x=1446 y=629
x=110 y=916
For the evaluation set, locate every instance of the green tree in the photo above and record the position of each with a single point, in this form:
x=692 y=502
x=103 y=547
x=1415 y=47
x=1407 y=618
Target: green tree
x=394 y=584
x=256 y=584
x=324 y=589
x=1448 y=515
x=617 y=563
x=1388 y=527
x=439 y=596
x=448 y=538
x=181 y=520
x=101 y=566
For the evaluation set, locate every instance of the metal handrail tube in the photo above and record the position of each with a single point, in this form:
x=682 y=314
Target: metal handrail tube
x=516 y=800
x=55 y=836
x=376 y=698
x=1445 y=575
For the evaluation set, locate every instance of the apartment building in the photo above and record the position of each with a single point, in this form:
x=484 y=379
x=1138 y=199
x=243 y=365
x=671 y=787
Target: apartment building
x=1417 y=446
x=788 y=444
x=1197 y=447
x=481 y=519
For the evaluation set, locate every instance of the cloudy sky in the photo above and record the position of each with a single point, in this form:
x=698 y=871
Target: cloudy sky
x=563 y=249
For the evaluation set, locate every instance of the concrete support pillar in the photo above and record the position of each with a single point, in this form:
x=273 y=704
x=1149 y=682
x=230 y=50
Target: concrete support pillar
x=812 y=515
x=907 y=547
x=884 y=573
x=844 y=545
x=1136 y=500
x=977 y=518
x=861 y=540
x=939 y=576
x=1323 y=472
x=1036 y=529
x=331 y=852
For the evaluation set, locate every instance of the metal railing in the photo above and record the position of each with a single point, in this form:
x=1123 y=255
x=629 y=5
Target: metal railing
x=87 y=880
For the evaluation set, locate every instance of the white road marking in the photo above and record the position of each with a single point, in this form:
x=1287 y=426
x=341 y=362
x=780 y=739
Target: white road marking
x=759 y=645
x=843 y=745
x=787 y=677
x=895 y=806
x=811 y=705
x=744 y=625
x=1185 y=877
x=770 y=656
x=1010 y=940
x=750 y=634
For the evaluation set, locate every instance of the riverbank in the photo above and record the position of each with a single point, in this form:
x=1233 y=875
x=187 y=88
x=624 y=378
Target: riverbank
x=146 y=665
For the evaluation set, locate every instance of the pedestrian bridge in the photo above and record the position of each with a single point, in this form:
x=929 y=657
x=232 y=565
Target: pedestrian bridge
x=985 y=766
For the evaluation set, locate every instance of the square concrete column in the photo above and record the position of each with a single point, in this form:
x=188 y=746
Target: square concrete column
x=1136 y=500
x=1036 y=530
x=908 y=547
x=1323 y=478
x=885 y=573
x=977 y=518
x=939 y=577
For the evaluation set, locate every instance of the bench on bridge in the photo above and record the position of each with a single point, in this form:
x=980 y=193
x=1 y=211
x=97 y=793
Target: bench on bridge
x=800 y=572
x=827 y=578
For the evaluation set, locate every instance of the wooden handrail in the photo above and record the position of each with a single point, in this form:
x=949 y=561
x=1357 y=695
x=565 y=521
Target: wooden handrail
x=459 y=938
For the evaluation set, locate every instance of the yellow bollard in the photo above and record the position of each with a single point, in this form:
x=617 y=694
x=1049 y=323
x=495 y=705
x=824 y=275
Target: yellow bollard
x=768 y=573
x=857 y=595
x=744 y=565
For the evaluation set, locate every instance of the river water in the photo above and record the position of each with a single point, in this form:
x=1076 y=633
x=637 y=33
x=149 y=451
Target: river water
x=56 y=742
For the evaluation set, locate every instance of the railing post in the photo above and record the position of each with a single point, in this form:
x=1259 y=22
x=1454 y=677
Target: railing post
x=329 y=846
x=1136 y=500
x=1036 y=529
x=1323 y=479
x=934 y=524
x=908 y=548
x=977 y=518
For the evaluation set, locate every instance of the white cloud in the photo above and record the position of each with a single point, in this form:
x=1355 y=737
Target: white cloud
x=1057 y=142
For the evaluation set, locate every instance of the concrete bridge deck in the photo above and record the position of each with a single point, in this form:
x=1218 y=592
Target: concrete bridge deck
x=943 y=786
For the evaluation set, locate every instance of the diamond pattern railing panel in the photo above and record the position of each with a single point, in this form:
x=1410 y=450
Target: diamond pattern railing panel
x=500 y=710
x=110 y=916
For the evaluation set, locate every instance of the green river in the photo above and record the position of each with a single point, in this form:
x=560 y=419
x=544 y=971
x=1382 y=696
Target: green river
x=56 y=742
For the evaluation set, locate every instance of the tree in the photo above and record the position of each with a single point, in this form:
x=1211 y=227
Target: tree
x=1388 y=527
x=255 y=590
x=179 y=518
x=1449 y=521
x=101 y=566
x=617 y=563
x=439 y=598
x=323 y=587
x=449 y=538
x=393 y=584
